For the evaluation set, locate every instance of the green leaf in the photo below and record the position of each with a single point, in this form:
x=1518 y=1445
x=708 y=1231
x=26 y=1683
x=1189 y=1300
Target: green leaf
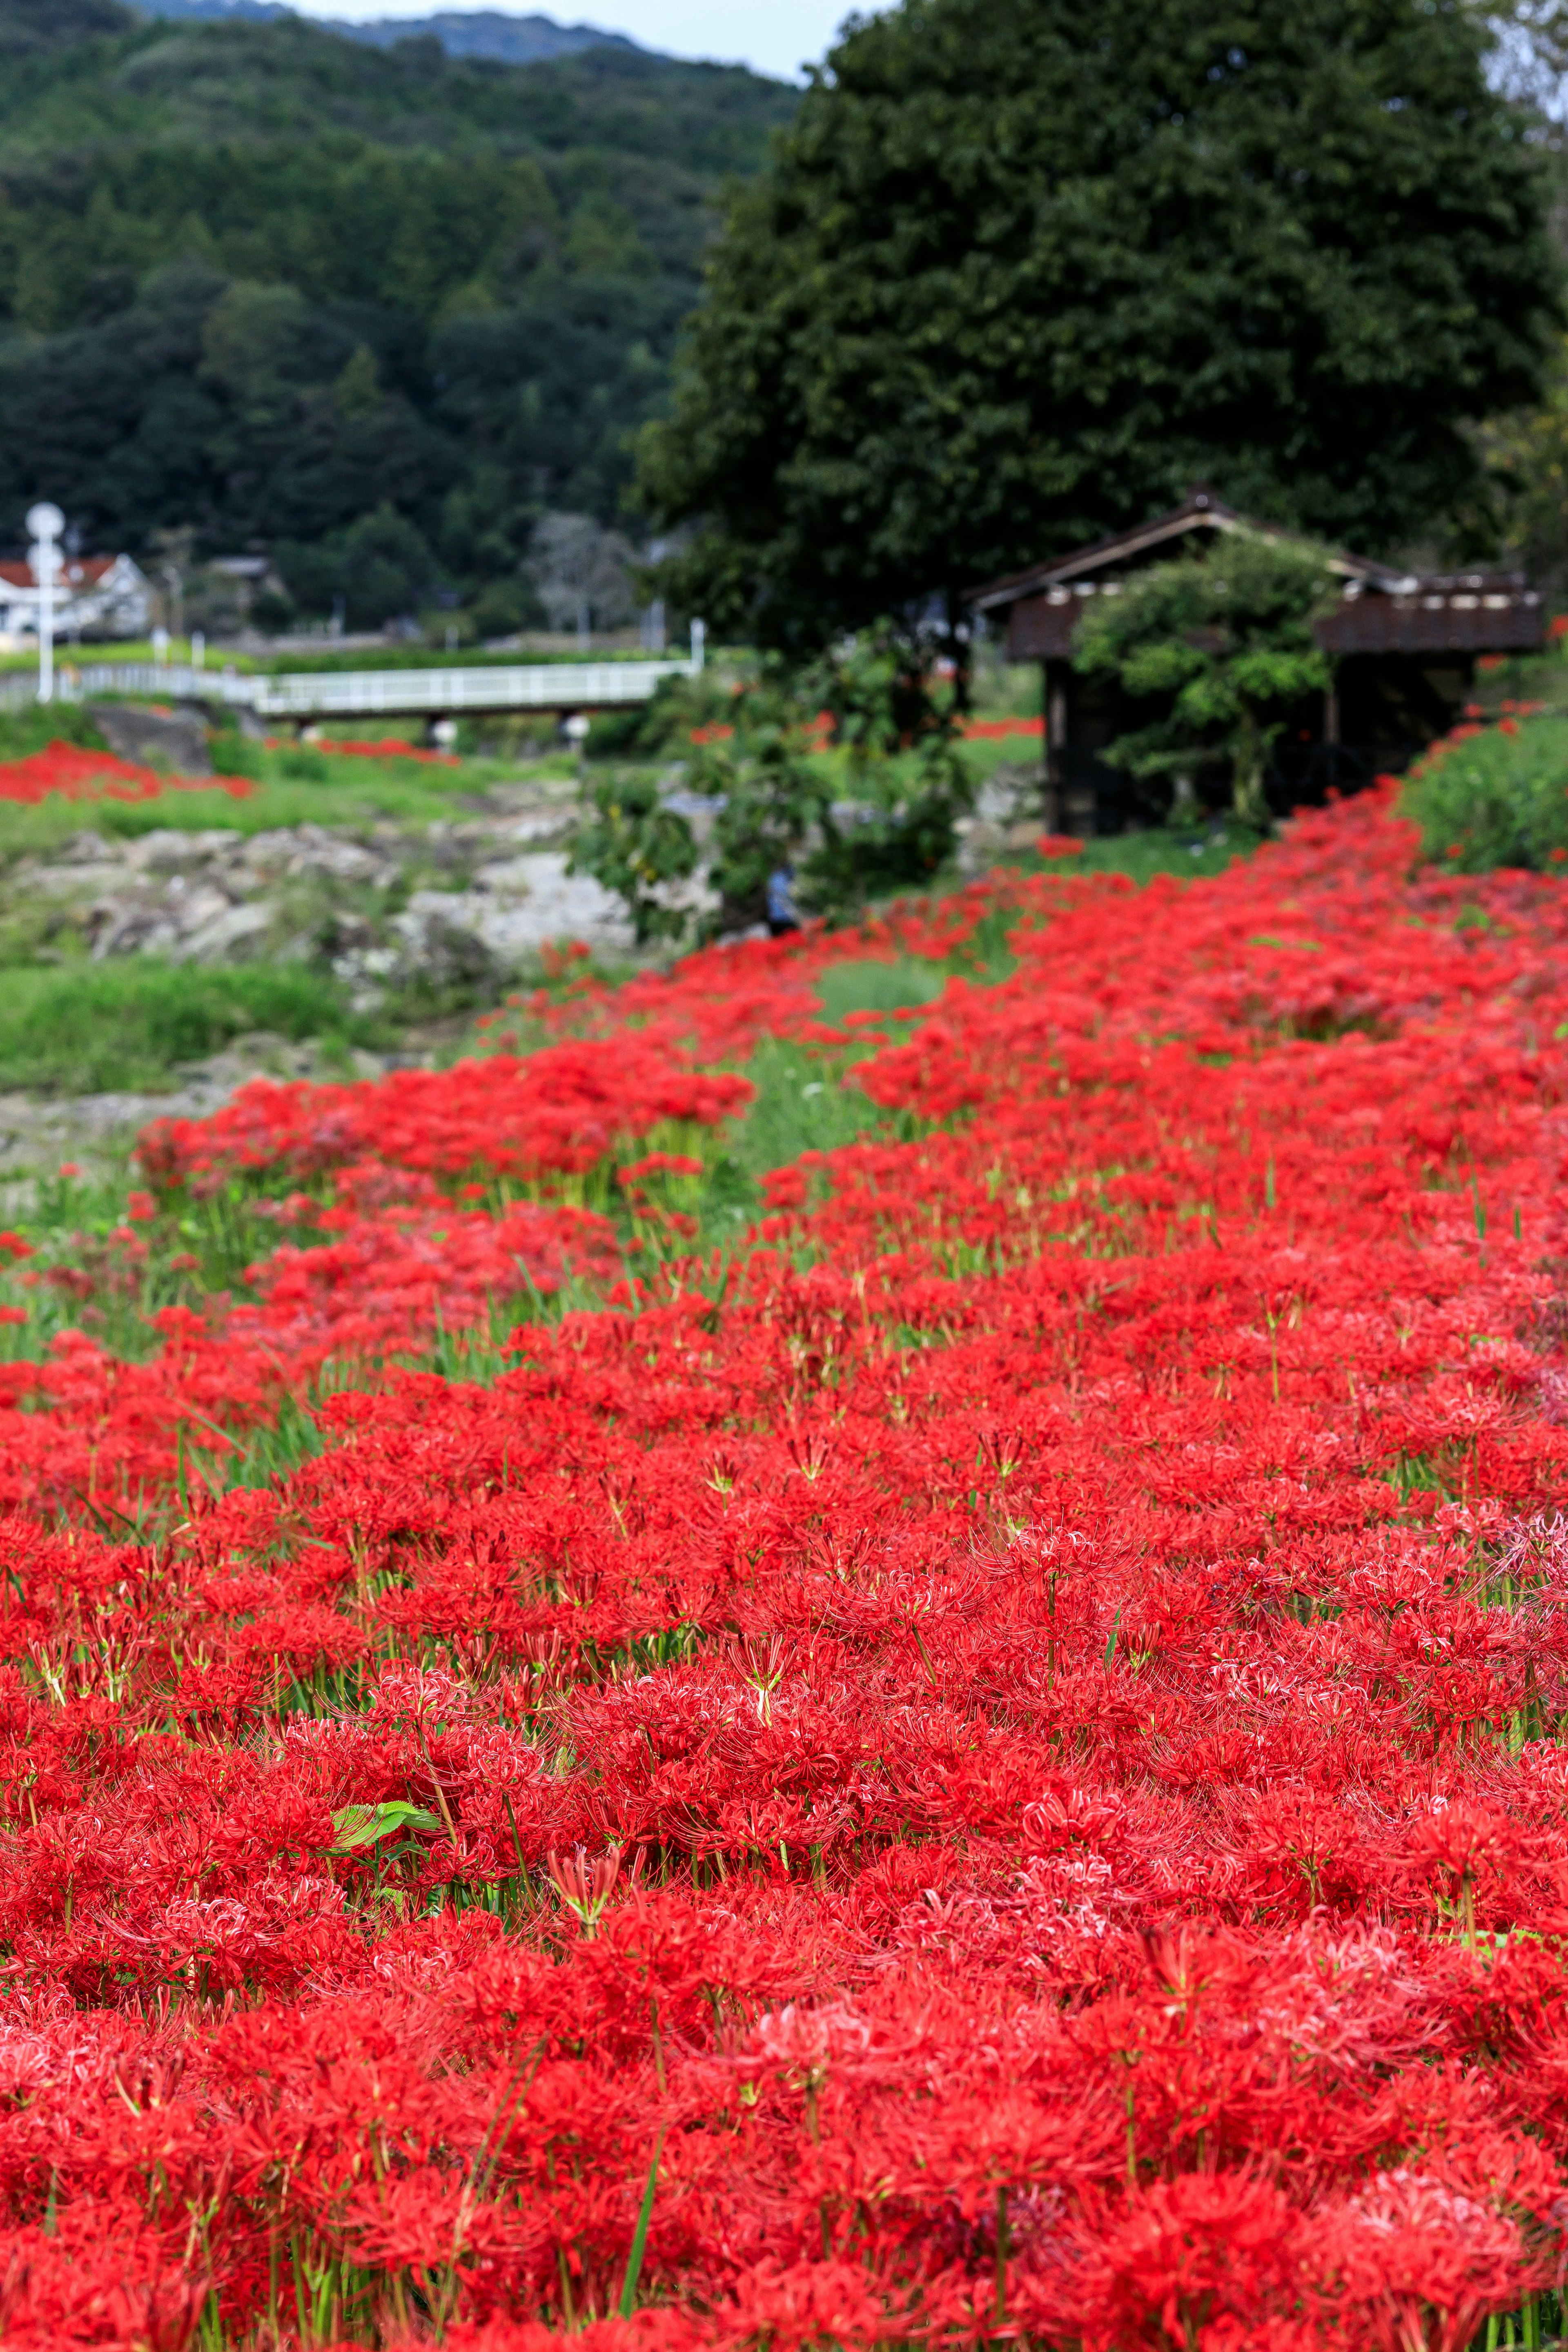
x=360 y=1825
x=629 y=2302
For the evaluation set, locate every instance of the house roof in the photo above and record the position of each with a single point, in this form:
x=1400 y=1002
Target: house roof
x=76 y=572
x=1381 y=609
x=1200 y=511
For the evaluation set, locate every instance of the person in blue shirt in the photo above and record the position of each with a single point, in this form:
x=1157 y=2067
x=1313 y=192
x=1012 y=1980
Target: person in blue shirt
x=783 y=914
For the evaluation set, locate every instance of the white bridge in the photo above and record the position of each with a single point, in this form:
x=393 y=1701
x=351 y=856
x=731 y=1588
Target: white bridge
x=565 y=687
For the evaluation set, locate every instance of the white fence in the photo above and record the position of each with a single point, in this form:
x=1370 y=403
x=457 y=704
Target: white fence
x=364 y=693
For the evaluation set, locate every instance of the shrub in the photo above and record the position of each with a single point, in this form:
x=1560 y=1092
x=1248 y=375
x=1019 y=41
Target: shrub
x=1222 y=645
x=663 y=726
x=233 y=754
x=1487 y=796
x=878 y=815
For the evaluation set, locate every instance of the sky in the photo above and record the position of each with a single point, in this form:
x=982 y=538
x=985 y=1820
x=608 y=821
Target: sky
x=773 y=36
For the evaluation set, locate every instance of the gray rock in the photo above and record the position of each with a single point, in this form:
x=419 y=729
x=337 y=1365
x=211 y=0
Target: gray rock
x=218 y=896
x=440 y=947
x=172 y=851
x=134 y=930
x=178 y=741
x=230 y=935
x=87 y=848
x=75 y=881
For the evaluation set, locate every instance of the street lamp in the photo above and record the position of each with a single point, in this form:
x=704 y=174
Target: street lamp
x=45 y=522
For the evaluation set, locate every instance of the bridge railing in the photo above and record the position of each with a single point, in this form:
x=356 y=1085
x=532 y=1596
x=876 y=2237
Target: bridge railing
x=556 y=686
x=349 y=694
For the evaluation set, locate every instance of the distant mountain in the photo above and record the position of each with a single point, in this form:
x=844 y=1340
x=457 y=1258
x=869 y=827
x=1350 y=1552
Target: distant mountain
x=28 y=27
x=215 y=12
x=363 y=302
x=486 y=33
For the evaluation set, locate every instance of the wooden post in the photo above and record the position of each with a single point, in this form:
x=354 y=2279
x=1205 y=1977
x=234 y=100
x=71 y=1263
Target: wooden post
x=1055 y=697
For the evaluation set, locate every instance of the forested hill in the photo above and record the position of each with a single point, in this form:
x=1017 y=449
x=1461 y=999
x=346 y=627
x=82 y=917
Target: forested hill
x=462 y=32
x=266 y=282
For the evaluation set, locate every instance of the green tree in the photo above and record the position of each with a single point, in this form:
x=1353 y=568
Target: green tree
x=381 y=566
x=1018 y=276
x=1223 y=642
x=635 y=846
x=1519 y=510
x=845 y=772
x=29 y=26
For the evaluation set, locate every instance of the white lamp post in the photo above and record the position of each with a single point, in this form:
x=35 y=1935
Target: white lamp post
x=45 y=522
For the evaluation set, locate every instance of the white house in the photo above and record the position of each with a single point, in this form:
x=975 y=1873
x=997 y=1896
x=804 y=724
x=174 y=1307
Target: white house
x=95 y=596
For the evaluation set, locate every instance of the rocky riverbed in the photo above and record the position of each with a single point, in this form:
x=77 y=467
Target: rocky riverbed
x=464 y=901
x=443 y=914
x=407 y=918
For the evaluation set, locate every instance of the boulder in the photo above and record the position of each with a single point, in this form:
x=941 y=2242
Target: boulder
x=176 y=739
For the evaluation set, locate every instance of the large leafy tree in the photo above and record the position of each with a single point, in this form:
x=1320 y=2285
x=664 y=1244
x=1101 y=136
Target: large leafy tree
x=1017 y=276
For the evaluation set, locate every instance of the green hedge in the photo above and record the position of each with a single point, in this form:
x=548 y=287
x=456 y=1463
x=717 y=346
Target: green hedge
x=1488 y=797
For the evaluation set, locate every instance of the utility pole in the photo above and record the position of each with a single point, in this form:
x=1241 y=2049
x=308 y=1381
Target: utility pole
x=45 y=522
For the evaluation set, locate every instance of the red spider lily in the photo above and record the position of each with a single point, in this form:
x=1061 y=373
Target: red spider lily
x=586 y=1886
x=79 y=775
x=387 y=747
x=1070 y=1619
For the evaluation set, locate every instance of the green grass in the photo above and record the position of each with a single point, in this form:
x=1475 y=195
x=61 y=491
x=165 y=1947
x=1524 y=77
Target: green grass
x=1162 y=850
x=869 y=986
x=127 y=1026
x=35 y=727
x=133 y=652
x=806 y=1101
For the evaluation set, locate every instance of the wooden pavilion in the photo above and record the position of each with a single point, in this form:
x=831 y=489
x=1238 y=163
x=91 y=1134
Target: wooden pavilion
x=1404 y=648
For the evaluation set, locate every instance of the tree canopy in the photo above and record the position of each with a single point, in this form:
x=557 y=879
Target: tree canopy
x=1017 y=276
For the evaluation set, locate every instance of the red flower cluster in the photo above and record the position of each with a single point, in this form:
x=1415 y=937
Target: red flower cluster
x=79 y=775
x=389 y=746
x=554 y=1115
x=402 y=1263
x=988 y=1767
x=996 y=730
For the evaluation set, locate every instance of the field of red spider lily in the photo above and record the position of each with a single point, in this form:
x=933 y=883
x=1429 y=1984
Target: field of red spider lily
x=89 y=775
x=971 y=1756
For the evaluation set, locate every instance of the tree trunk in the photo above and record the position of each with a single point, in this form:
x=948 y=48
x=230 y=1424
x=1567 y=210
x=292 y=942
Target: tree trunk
x=1248 y=759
